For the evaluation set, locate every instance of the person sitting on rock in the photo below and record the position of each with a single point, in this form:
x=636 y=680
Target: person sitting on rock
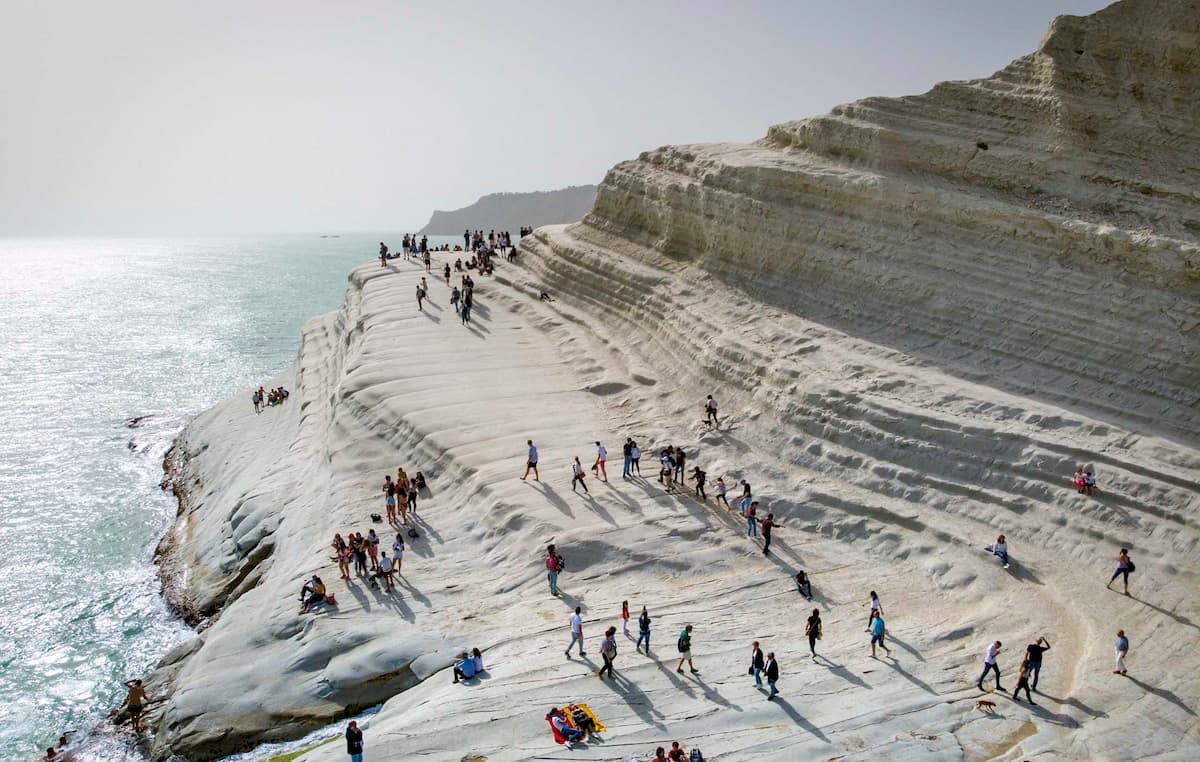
x=1089 y=482
x=464 y=668
x=312 y=593
x=558 y=719
x=803 y=586
x=477 y=658
x=581 y=720
x=1000 y=549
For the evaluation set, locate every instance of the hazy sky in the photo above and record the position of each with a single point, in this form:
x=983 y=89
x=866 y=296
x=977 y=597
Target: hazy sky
x=215 y=117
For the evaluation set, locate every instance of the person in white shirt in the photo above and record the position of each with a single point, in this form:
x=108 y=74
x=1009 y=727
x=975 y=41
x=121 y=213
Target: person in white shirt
x=577 y=470
x=989 y=665
x=710 y=412
x=601 y=457
x=1000 y=550
x=576 y=631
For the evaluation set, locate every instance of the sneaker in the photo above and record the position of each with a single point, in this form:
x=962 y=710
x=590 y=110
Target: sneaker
x=1006 y=566
x=680 y=671
x=696 y=672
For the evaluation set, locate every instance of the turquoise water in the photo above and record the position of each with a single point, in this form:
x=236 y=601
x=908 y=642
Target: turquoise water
x=93 y=334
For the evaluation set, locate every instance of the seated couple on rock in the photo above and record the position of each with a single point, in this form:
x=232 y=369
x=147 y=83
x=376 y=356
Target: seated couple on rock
x=311 y=594
x=573 y=723
x=468 y=665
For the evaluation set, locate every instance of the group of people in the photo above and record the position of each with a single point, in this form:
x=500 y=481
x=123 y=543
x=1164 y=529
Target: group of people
x=1085 y=481
x=368 y=559
x=1030 y=669
x=468 y=664
x=400 y=496
x=61 y=751
x=262 y=399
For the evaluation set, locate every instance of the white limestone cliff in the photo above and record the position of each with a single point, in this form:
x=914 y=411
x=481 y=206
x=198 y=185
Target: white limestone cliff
x=920 y=316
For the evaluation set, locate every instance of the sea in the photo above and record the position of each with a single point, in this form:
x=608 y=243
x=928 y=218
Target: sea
x=108 y=347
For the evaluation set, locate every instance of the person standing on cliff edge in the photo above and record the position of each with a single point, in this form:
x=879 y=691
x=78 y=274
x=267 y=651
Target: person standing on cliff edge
x=531 y=461
x=354 y=742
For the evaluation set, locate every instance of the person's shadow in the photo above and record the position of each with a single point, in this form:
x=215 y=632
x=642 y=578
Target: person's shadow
x=791 y=712
x=1163 y=694
x=843 y=673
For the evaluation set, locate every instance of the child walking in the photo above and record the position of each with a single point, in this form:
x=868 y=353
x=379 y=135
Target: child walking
x=625 y=617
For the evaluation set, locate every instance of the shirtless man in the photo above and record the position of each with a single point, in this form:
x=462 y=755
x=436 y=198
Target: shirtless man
x=134 y=702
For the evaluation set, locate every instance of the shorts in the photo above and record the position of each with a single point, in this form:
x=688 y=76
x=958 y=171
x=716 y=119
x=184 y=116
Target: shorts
x=876 y=639
x=531 y=464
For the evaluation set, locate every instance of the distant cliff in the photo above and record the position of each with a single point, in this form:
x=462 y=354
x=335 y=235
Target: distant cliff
x=509 y=211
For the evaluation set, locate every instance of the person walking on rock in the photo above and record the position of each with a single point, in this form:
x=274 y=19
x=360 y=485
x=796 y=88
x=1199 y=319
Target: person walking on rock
x=746 y=496
x=625 y=617
x=552 y=569
x=710 y=412
x=531 y=461
x=627 y=449
x=757 y=663
x=878 y=632
x=751 y=515
x=644 y=630
x=680 y=463
x=577 y=478
x=420 y=297
x=699 y=476
x=772 y=672
x=990 y=665
x=608 y=652
x=598 y=467
x=685 y=650
x=385 y=571
x=813 y=630
x=354 y=742
x=373 y=548
x=1124 y=568
x=576 y=631
x=1122 y=646
x=635 y=459
x=1033 y=655
x=876 y=609
x=1023 y=681
x=719 y=489
x=767 y=525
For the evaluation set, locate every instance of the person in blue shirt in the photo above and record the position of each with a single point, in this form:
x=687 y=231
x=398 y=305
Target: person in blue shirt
x=878 y=630
x=464 y=668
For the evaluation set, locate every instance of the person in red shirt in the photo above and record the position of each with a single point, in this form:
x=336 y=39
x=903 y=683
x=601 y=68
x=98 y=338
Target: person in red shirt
x=552 y=569
x=676 y=754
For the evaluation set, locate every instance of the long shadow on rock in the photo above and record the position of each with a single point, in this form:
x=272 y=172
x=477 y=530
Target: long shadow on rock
x=1162 y=693
x=1076 y=703
x=637 y=700
x=907 y=676
x=790 y=711
x=1177 y=617
x=843 y=673
x=893 y=639
x=549 y=493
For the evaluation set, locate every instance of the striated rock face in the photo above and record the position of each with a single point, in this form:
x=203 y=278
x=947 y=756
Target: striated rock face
x=919 y=315
x=1038 y=230
x=510 y=211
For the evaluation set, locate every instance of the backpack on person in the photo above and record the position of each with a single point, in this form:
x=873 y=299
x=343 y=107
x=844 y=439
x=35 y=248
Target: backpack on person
x=560 y=562
x=682 y=645
x=1131 y=568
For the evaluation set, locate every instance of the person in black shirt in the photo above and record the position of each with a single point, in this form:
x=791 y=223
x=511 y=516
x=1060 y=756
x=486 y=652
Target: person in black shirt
x=354 y=742
x=1033 y=654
